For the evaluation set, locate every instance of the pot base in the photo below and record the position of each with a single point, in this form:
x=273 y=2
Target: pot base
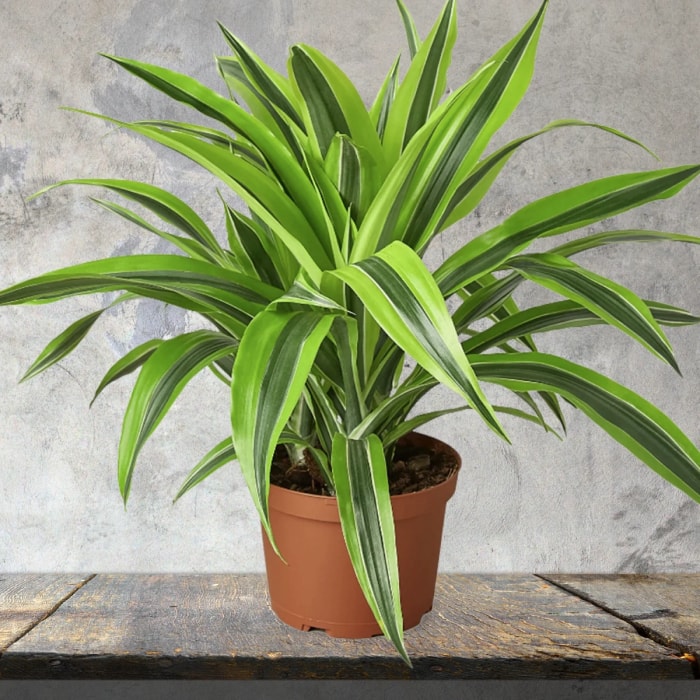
x=340 y=630
x=314 y=586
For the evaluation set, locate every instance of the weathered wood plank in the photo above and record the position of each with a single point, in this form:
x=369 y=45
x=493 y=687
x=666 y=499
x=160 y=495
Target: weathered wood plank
x=664 y=606
x=26 y=599
x=220 y=626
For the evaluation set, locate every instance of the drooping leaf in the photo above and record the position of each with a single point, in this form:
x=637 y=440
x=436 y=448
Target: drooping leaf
x=63 y=344
x=127 y=364
x=272 y=364
x=400 y=293
x=221 y=454
x=364 y=504
x=163 y=376
x=627 y=417
x=479 y=180
x=560 y=212
x=614 y=303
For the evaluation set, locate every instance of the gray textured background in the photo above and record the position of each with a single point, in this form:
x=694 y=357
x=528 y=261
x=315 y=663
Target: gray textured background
x=584 y=504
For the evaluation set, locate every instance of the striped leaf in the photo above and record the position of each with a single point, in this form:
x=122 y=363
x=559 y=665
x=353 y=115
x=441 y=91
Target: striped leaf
x=209 y=103
x=219 y=138
x=424 y=83
x=63 y=344
x=412 y=37
x=163 y=376
x=270 y=83
x=354 y=173
x=127 y=364
x=400 y=293
x=627 y=417
x=241 y=88
x=193 y=248
x=477 y=183
x=560 y=212
x=557 y=316
x=143 y=274
x=598 y=240
x=161 y=202
x=612 y=302
x=379 y=112
x=364 y=504
x=274 y=359
x=220 y=455
x=330 y=102
x=414 y=197
x=257 y=255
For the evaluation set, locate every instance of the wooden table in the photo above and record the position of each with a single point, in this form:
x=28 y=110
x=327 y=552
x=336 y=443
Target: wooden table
x=219 y=626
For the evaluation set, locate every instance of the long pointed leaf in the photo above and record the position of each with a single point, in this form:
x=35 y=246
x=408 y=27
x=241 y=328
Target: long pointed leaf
x=273 y=362
x=221 y=454
x=331 y=103
x=63 y=344
x=627 y=417
x=558 y=213
x=162 y=378
x=364 y=504
x=400 y=293
x=127 y=364
x=423 y=84
x=612 y=302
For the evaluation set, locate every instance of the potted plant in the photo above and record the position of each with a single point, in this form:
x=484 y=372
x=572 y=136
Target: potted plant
x=320 y=294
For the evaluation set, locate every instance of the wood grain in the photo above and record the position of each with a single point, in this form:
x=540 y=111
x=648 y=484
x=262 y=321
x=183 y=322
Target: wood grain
x=220 y=626
x=665 y=607
x=26 y=599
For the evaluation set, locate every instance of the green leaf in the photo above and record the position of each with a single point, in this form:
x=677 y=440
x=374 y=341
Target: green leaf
x=424 y=83
x=218 y=138
x=270 y=83
x=128 y=364
x=273 y=362
x=412 y=37
x=478 y=182
x=193 y=248
x=364 y=504
x=330 y=102
x=628 y=236
x=354 y=173
x=379 y=112
x=557 y=316
x=209 y=103
x=191 y=284
x=416 y=422
x=612 y=302
x=627 y=417
x=413 y=199
x=161 y=202
x=63 y=344
x=217 y=457
x=400 y=293
x=560 y=212
x=257 y=255
x=241 y=88
x=162 y=378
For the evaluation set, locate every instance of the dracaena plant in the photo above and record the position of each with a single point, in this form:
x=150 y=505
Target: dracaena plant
x=320 y=293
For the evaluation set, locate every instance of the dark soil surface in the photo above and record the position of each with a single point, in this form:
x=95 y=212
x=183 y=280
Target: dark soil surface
x=413 y=469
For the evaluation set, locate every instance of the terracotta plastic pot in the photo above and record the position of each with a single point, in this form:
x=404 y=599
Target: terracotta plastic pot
x=317 y=587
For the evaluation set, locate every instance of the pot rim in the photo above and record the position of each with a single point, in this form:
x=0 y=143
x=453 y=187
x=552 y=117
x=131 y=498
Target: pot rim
x=404 y=505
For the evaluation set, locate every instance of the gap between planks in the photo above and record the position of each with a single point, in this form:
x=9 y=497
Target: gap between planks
x=48 y=613
x=641 y=629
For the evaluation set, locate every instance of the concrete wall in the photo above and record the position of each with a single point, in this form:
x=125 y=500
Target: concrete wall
x=583 y=504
